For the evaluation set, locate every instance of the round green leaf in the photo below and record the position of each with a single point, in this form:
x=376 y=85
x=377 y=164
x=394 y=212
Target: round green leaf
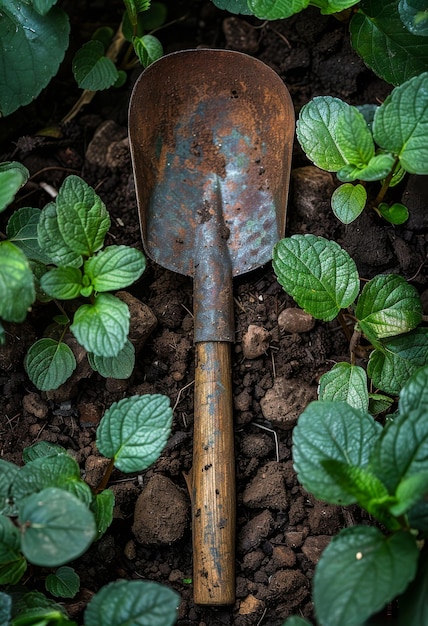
x=8 y=472
x=51 y=240
x=316 y=131
x=62 y=283
x=395 y=214
x=148 y=49
x=41 y=449
x=49 y=364
x=119 y=367
x=359 y=572
x=29 y=40
x=102 y=327
x=13 y=176
x=57 y=527
x=135 y=602
x=134 y=431
x=22 y=231
x=388 y=306
x=64 y=583
x=401 y=124
x=12 y=563
x=414 y=394
x=379 y=167
x=102 y=508
x=347 y=383
x=233 y=6
x=17 y=292
x=354 y=137
x=276 y=9
x=331 y=431
x=387 y=48
x=92 y=69
x=320 y=276
x=347 y=202
x=43 y=472
x=115 y=267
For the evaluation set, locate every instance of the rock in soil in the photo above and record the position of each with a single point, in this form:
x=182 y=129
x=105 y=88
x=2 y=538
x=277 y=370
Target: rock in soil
x=255 y=341
x=285 y=401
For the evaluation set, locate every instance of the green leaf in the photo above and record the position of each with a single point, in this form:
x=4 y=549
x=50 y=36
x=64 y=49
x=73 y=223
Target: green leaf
x=92 y=69
x=377 y=34
x=41 y=449
x=155 y=16
x=62 y=283
x=401 y=124
x=148 y=49
x=294 y=620
x=347 y=202
x=134 y=7
x=328 y=7
x=82 y=217
x=52 y=241
x=320 y=276
x=331 y=431
x=34 y=609
x=17 y=291
x=414 y=16
x=378 y=403
x=316 y=131
x=414 y=395
x=134 y=431
x=102 y=508
x=64 y=583
x=102 y=327
x=58 y=527
x=49 y=363
x=388 y=306
x=359 y=572
x=115 y=267
x=395 y=214
x=233 y=6
x=43 y=6
x=414 y=601
x=347 y=383
x=276 y=9
x=43 y=472
x=22 y=231
x=379 y=167
x=397 y=358
x=354 y=137
x=5 y=608
x=119 y=367
x=13 y=176
x=29 y=40
x=132 y=602
x=410 y=491
x=12 y=563
x=8 y=472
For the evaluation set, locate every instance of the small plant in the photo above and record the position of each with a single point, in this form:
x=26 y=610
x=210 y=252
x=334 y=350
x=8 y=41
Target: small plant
x=58 y=253
x=389 y=35
x=323 y=280
x=368 y=144
x=343 y=456
x=35 y=33
x=50 y=516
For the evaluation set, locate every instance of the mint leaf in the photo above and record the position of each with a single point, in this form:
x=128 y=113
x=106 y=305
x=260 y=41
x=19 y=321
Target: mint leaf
x=49 y=363
x=395 y=214
x=29 y=40
x=377 y=26
x=92 y=69
x=58 y=527
x=294 y=620
x=414 y=395
x=59 y=470
x=354 y=137
x=320 y=276
x=82 y=217
x=102 y=508
x=134 y=431
x=51 y=240
x=13 y=176
x=278 y=10
x=388 y=306
x=377 y=168
x=414 y=601
x=397 y=358
x=317 y=133
x=21 y=230
x=17 y=291
x=12 y=563
x=410 y=491
x=102 y=327
x=233 y=6
x=347 y=202
x=359 y=572
x=148 y=49
x=120 y=366
x=414 y=16
x=115 y=267
x=378 y=403
x=328 y=7
x=132 y=602
x=8 y=472
x=342 y=433
x=41 y=449
x=347 y=383
x=64 y=583
x=401 y=124
x=63 y=283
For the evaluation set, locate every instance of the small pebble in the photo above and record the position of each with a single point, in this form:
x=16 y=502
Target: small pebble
x=255 y=342
x=294 y=320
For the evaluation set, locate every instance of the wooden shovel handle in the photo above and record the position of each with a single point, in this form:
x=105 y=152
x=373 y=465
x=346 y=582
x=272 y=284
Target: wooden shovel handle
x=213 y=486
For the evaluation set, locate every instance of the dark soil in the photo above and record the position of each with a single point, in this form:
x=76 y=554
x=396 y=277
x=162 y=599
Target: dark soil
x=281 y=530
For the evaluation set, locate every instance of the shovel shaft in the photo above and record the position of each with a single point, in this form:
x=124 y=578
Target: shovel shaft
x=213 y=487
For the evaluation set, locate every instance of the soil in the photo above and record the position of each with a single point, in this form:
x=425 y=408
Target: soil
x=278 y=355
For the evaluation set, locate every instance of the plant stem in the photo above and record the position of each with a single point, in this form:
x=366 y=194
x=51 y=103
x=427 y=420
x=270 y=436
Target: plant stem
x=104 y=481
x=385 y=185
x=342 y=321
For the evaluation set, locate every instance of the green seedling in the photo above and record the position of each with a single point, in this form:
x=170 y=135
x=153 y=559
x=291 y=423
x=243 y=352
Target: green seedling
x=50 y=516
x=323 y=280
x=343 y=456
x=58 y=254
x=36 y=34
x=368 y=144
x=389 y=35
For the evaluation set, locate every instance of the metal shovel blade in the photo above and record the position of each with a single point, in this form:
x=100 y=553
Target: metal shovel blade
x=211 y=135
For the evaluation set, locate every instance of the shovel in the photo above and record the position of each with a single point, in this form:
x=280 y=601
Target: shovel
x=211 y=135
